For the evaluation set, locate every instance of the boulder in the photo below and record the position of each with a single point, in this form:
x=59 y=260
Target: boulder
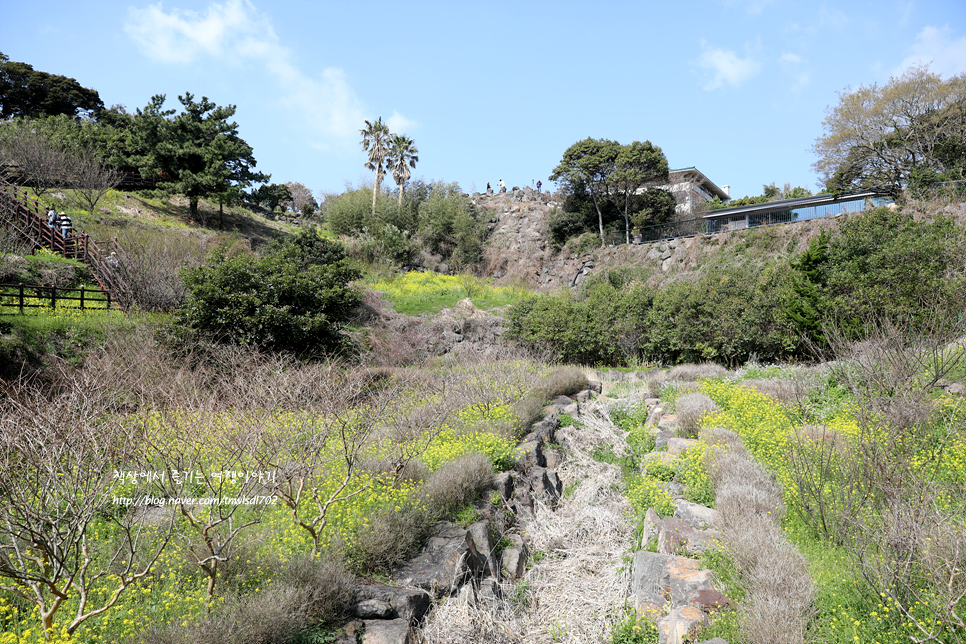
x=673 y=536
x=531 y=454
x=513 y=560
x=650 y=526
x=696 y=515
x=374 y=609
x=483 y=539
x=447 y=560
x=388 y=631
x=649 y=579
x=410 y=604
x=680 y=625
x=685 y=578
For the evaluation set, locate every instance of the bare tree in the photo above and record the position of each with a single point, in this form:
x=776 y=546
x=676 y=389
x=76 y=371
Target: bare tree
x=90 y=179
x=58 y=479
x=204 y=477
x=32 y=159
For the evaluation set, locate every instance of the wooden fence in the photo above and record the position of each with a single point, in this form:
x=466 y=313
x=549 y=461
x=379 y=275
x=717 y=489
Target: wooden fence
x=14 y=298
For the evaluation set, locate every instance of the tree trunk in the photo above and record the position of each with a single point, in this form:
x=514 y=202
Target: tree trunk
x=600 y=221
x=375 y=189
x=401 y=188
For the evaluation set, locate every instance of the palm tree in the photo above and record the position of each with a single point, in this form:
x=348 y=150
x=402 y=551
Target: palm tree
x=375 y=141
x=402 y=156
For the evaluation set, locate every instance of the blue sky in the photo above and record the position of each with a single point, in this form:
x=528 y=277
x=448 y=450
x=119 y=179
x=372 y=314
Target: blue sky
x=737 y=88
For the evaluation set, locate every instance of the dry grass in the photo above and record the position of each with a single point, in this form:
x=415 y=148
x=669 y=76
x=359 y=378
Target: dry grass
x=695 y=372
x=778 y=604
x=305 y=592
x=690 y=408
x=574 y=592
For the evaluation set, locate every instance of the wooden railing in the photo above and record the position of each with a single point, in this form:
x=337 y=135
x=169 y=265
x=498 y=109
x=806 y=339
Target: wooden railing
x=28 y=219
x=14 y=298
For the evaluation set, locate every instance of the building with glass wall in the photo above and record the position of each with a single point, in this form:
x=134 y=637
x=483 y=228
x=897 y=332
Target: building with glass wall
x=788 y=211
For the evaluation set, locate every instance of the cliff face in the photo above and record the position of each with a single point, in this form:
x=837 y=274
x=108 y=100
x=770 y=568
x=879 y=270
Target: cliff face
x=519 y=249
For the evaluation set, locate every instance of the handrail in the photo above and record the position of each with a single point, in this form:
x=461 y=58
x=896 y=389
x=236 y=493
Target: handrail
x=28 y=218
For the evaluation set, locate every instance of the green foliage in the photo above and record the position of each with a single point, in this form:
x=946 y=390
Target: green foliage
x=634 y=629
x=30 y=93
x=448 y=222
x=880 y=264
x=599 y=325
x=654 y=207
x=645 y=492
x=272 y=195
x=296 y=298
x=726 y=317
x=196 y=153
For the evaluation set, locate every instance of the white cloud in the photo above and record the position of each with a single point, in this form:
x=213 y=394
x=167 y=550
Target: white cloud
x=234 y=32
x=790 y=58
x=936 y=47
x=184 y=36
x=726 y=67
x=751 y=7
x=400 y=124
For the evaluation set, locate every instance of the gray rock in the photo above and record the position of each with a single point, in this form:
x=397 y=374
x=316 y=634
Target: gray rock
x=447 y=560
x=503 y=483
x=651 y=525
x=685 y=578
x=696 y=515
x=483 y=539
x=374 y=609
x=531 y=454
x=410 y=604
x=514 y=559
x=392 y=631
x=673 y=536
x=649 y=579
x=675 y=490
x=661 y=438
x=680 y=625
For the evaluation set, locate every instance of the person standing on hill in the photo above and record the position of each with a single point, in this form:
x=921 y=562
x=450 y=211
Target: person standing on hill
x=51 y=218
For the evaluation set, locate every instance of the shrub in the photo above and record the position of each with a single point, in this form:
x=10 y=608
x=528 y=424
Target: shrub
x=600 y=325
x=727 y=316
x=296 y=298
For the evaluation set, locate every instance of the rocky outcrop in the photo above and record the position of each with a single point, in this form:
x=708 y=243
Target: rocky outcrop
x=468 y=563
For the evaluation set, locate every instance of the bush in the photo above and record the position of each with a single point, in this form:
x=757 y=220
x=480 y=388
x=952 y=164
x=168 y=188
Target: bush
x=297 y=298
x=726 y=316
x=600 y=325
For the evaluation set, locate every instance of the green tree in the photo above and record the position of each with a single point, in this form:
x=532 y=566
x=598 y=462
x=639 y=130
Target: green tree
x=876 y=136
x=29 y=93
x=448 y=223
x=376 y=140
x=403 y=155
x=295 y=298
x=196 y=153
x=272 y=195
x=589 y=164
x=655 y=207
x=637 y=164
